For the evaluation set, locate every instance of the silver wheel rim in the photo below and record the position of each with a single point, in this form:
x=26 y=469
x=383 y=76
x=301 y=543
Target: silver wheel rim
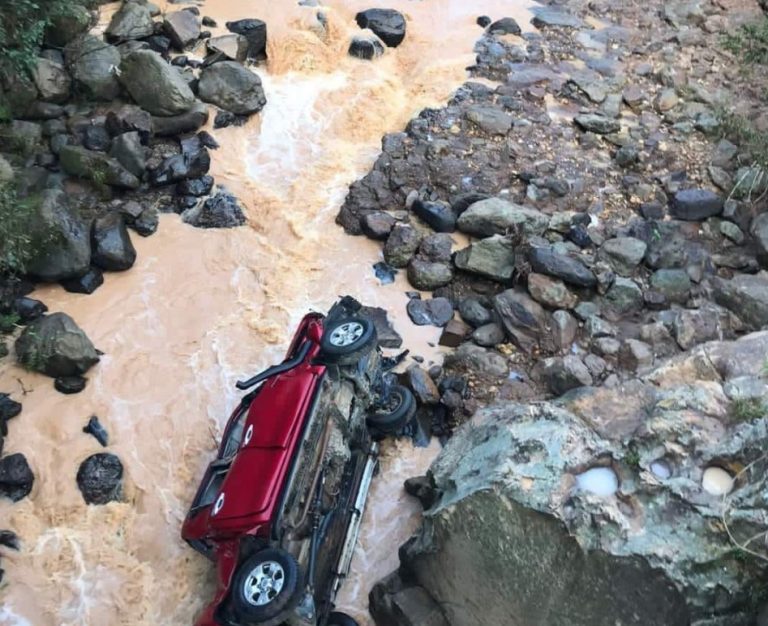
x=346 y=334
x=264 y=583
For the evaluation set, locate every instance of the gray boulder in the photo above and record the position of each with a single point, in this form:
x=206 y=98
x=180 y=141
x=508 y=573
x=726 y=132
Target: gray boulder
x=551 y=292
x=597 y=510
x=60 y=237
x=54 y=345
x=623 y=254
x=547 y=261
x=129 y=152
x=155 y=85
x=523 y=319
x=132 y=21
x=52 y=81
x=387 y=24
x=561 y=374
x=696 y=204
x=187 y=122
x=228 y=47
x=221 y=210
x=401 y=245
x=498 y=217
x=759 y=231
x=96 y=166
x=112 y=247
x=232 y=87
x=492 y=257
x=255 y=31
x=428 y=275
x=182 y=28
x=597 y=124
x=92 y=64
x=746 y=295
x=478 y=360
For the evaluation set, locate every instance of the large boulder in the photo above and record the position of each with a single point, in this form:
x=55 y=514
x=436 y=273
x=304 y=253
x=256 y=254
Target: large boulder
x=543 y=514
x=128 y=151
x=16 y=477
x=92 y=64
x=67 y=25
x=492 y=257
x=54 y=345
x=547 y=260
x=191 y=164
x=100 y=478
x=255 y=31
x=61 y=246
x=232 y=87
x=154 y=84
x=52 y=81
x=387 y=24
x=696 y=204
x=221 y=210
x=524 y=319
x=187 y=122
x=96 y=166
x=746 y=295
x=499 y=217
x=182 y=28
x=132 y=21
x=112 y=247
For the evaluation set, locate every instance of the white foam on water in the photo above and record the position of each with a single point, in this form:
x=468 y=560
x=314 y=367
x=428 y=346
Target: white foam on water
x=601 y=481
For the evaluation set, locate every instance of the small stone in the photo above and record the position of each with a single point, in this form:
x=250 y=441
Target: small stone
x=474 y=312
x=666 y=100
x=550 y=292
x=69 y=384
x=454 y=333
x=624 y=297
x=488 y=335
x=732 y=232
x=585 y=310
x=428 y=276
x=596 y=327
x=597 y=124
x=87 y=283
x=423 y=387
x=94 y=427
x=674 y=284
x=434 y=312
x=635 y=355
x=606 y=346
x=438 y=215
x=402 y=244
x=562 y=374
x=623 y=254
x=377 y=225
x=696 y=204
x=564 y=329
x=627 y=156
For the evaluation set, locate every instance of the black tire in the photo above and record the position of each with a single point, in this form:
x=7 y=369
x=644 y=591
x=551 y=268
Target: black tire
x=286 y=598
x=340 y=347
x=337 y=618
x=402 y=407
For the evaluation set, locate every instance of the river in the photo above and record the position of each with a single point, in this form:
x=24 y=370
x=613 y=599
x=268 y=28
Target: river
x=201 y=309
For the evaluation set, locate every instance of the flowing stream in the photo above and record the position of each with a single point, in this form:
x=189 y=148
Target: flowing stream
x=203 y=308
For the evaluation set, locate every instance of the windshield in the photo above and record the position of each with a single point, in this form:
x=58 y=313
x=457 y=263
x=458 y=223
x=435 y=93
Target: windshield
x=234 y=435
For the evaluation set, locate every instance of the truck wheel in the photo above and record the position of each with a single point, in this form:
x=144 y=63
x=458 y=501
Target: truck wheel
x=340 y=619
x=266 y=585
x=345 y=338
x=396 y=413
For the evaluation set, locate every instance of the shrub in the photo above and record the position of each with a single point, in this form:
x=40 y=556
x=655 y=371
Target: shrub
x=16 y=246
x=748 y=409
x=750 y=42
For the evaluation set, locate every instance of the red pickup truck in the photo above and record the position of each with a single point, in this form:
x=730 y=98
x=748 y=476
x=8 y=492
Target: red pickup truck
x=279 y=508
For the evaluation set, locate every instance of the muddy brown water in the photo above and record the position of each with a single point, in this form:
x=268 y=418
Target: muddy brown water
x=202 y=308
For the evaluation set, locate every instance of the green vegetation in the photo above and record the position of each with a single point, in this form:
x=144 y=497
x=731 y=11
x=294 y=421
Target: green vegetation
x=16 y=243
x=8 y=322
x=748 y=409
x=632 y=457
x=749 y=42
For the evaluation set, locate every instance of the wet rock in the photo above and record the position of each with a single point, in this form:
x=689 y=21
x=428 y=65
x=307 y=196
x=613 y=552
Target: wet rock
x=674 y=284
x=387 y=24
x=489 y=335
x=111 y=244
x=16 y=477
x=561 y=374
x=547 y=261
x=146 y=224
x=182 y=28
x=498 y=217
x=195 y=186
x=28 y=309
x=436 y=248
x=65 y=26
x=483 y=21
x=438 y=215
x=377 y=225
x=474 y=312
x=94 y=427
x=8 y=410
x=432 y=312
x=87 y=283
x=423 y=387
x=255 y=31
x=54 y=345
x=188 y=165
x=597 y=124
x=129 y=118
x=524 y=320
x=52 y=81
x=154 y=84
x=209 y=22
x=96 y=137
x=696 y=204
x=428 y=276
x=454 y=333
x=365 y=48
x=9 y=539
x=387 y=335
x=69 y=384
x=550 y=292
x=132 y=20
x=745 y=295
x=227 y=48
x=472 y=358
x=402 y=244
x=129 y=152
x=100 y=479
x=394 y=603
x=635 y=355
x=232 y=87
x=96 y=166
x=187 y=122
x=221 y=210
x=385 y=273
x=492 y=257
x=505 y=26
x=489 y=119
x=67 y=253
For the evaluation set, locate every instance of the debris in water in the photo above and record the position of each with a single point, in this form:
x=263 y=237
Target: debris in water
x=602 y=481
x=95 y=428
x=69 y=384
x=717 y=481
x=9 y=539
x=384 y=272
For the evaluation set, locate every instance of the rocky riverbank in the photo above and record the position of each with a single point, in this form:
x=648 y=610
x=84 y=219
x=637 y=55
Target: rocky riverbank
x=582 y=220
